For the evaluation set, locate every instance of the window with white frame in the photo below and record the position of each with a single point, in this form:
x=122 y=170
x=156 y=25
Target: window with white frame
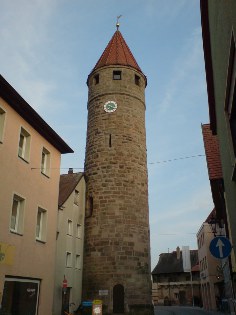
x=17 y=214
x=68 y=259
x=2 y=123
x=69 y=227
x=45 y=162
x=24 y=144
x=78 y=262
x=78 y=232
x=41 y=224
x=76 y=197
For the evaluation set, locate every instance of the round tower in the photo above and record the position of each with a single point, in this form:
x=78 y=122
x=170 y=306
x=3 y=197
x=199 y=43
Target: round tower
x=117 y=242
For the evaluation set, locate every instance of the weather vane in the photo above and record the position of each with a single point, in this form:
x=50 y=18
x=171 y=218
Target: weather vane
x=117 y=22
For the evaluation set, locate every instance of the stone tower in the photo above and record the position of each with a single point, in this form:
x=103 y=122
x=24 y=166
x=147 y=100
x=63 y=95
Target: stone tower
x=117 y=241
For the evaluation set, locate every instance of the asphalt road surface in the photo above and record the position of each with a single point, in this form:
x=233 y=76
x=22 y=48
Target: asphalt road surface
x=182 y=310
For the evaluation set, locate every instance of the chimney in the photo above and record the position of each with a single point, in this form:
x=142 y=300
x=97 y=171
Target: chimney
x=70 y=171
x=178 y=252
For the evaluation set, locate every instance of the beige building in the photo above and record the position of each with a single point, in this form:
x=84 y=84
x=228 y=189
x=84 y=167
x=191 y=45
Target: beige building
x=30 y=153
x=70 y=242
x=210 y=269
x=216 y=279
x=219 y=44
x=172 y=284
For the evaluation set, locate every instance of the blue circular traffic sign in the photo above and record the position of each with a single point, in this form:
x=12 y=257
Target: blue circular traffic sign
x=220 y=247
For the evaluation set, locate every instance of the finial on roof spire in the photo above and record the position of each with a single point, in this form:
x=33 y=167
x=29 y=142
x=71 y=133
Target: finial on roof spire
x=117 y=22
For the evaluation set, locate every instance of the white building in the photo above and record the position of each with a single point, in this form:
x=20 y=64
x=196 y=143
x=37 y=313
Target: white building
x=70 y=241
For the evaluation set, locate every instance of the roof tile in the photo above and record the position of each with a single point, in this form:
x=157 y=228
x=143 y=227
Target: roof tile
x=68 y=182
x=212 y=153
x=117 y=52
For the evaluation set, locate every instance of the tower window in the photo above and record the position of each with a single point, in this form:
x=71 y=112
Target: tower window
x=137 y=79
x=96 y=79
x=110 y=141
x=116 y=75
x=89 y=206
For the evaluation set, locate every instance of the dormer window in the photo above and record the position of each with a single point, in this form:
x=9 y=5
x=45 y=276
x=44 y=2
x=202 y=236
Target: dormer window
x=116 y=75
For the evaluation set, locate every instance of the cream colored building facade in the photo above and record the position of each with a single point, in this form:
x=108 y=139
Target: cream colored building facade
x=210 y=269
x=70 y=242
x=30 y=153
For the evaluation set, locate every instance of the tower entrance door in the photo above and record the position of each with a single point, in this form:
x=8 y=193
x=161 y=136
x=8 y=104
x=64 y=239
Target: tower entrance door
x=118 y=299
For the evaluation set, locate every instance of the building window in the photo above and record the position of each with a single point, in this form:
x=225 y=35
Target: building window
x=41 y=225
x=20 y=296
x=78 y=262
x=76 y=198
x=2 y=123
x=230 y=100
x=68 y=259
x=116 y=75
x=45 y=162
x=137 y=79
x=24 y=145
x=69 y=227
x=78 y=232
x=96 y=79
x=17 y=213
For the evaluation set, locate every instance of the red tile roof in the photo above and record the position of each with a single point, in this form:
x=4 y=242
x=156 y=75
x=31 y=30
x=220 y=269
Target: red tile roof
x=195 y=268
x=212 y=153
x=117 y=52
x=211 y=216
x=68 y=182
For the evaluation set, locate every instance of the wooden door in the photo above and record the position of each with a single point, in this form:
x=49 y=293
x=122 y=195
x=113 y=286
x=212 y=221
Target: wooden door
x=118 y=299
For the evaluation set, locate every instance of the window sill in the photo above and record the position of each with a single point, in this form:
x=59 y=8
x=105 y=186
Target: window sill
x=23 y=159
x=44 y=174
x=40 y=241
x=15 y=232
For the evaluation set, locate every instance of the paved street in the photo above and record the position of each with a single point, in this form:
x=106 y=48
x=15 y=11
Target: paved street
x=182 y=310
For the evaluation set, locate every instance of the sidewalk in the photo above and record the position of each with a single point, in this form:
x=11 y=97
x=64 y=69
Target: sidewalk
x=216 y=313
x=211 y=312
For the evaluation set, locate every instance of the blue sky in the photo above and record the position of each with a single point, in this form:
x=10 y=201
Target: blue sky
x=48 y=48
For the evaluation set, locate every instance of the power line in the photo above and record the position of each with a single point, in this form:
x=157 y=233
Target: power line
x=179 y=158
x=150 y=163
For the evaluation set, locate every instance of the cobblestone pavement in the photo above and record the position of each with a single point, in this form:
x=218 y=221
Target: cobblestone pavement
x=182 y=310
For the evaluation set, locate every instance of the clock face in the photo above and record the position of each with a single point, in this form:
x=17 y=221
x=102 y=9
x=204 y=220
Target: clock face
x=110 y=106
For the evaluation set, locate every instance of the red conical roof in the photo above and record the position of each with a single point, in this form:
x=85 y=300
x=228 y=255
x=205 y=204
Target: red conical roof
x=117 y=52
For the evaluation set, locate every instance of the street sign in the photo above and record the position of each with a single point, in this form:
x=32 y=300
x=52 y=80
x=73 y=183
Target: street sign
x=220 y=247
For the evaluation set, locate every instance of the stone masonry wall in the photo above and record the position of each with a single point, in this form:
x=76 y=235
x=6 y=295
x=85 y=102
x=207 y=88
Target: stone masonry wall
x=117 y=241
